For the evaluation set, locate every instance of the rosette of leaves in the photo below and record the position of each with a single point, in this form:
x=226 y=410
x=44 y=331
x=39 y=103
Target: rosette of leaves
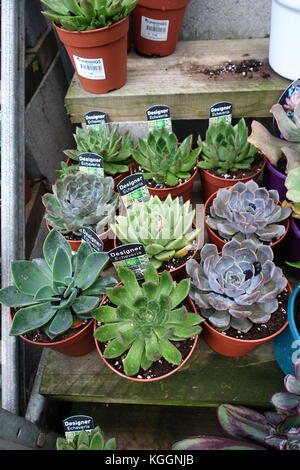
x=292 y=184
x=81 y=199
x=237 y=288
x=163 y=227
x=93 y=440
x=273 y=430
x=146 y=319
x=163 y=159
x=83 y=15
x=114 y=148
x=226 y=148
x=57 y=291
x=246 y=211
x=273 y=147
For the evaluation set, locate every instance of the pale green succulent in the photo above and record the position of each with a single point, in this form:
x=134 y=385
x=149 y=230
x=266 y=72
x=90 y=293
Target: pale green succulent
x=163 y=227
x=81 y=200
x=81 y=15
x=146 y=319
x=54 y=292
x=93 y=440
x=226 y=148
x=114 y=148
x=165 y=161
x=292 y=184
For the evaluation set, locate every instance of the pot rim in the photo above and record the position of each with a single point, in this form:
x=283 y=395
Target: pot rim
x=154 y=379
x=274 y=170
x=247 y=341
x=90 y=31
x=151 y=5
x=291 y=313
x=242 y=180
x=221 y=241
x=104 y=234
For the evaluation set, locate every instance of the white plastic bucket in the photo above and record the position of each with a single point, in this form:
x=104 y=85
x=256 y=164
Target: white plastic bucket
x=284 y=51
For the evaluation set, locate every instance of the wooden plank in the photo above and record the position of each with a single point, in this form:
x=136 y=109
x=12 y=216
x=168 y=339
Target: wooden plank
x=178 y=81
x=208 y=379
x=138 y=427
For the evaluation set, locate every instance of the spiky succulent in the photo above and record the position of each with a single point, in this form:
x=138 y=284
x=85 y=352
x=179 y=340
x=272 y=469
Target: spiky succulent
x=57 y=291
x=93 y=440
x=246 y=211
x=164 y=160
x=114 y=148
x=81 y=15
x=226 y=148
x=273 y=147
x=148 y=317
x=278 y=429
x=163 y=227
x=81 y=199
x=292 y=184
x=238 y=288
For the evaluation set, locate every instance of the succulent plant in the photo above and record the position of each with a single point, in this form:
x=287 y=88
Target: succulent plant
x=163 y=227
x=226 y=148
x=148 y=317
x=292 y=184
x=273 y=147
x=164 y=160
x=93 y=440
x=56 y=292
x=278 y=429
x=81 y=15
x=81 y=199
x=114 y=148
x=238 y=288
x=246 y=211
x=66 y=169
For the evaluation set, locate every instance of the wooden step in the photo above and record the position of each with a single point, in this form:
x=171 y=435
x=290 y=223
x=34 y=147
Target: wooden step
x=179 y=81
x=208 y=379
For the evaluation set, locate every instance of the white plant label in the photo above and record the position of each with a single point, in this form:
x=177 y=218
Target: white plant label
x=155 y=30
x=90 y=68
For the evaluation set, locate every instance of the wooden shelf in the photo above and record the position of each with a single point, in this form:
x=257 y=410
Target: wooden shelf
x=179 y=82
x=208 y=379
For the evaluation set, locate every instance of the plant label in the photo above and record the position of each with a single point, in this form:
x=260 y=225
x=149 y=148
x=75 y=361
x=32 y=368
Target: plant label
x=93 y=69
x=132 y=256
x=159 y=117
x=133 y=188
x=154 y=30
x=289 y=98
x=91 y=163
x=221 y=111
x=96 y=118
x=75 y=424
x=88 y=235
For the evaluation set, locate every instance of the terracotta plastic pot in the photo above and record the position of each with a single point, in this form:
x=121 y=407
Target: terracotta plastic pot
x=234 y=347
x=99 y=56
x=156 y=26
x=218 y=241
x=106 y=237
x=155 y=379
x=177 y=272
x=211 y=183
x=274 y=179
x=79 y=344
x=184 y=190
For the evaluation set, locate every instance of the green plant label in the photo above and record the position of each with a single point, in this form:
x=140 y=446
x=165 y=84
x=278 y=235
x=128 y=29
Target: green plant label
x=91 y=163
x=221 y=111
x=288 y=100
x=132 y=256
x=88 y=235
x=159 y=117
x=96 y=118
x=133 y=188
x=75 y=424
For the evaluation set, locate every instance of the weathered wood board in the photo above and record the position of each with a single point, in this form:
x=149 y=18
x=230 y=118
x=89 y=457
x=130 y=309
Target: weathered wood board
x=208 y=379
x=179 y=82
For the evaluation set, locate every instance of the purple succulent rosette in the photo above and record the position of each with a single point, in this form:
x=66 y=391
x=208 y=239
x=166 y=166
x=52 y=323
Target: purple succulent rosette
x=246 y=211
x=238 y=288
x=289 y=401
